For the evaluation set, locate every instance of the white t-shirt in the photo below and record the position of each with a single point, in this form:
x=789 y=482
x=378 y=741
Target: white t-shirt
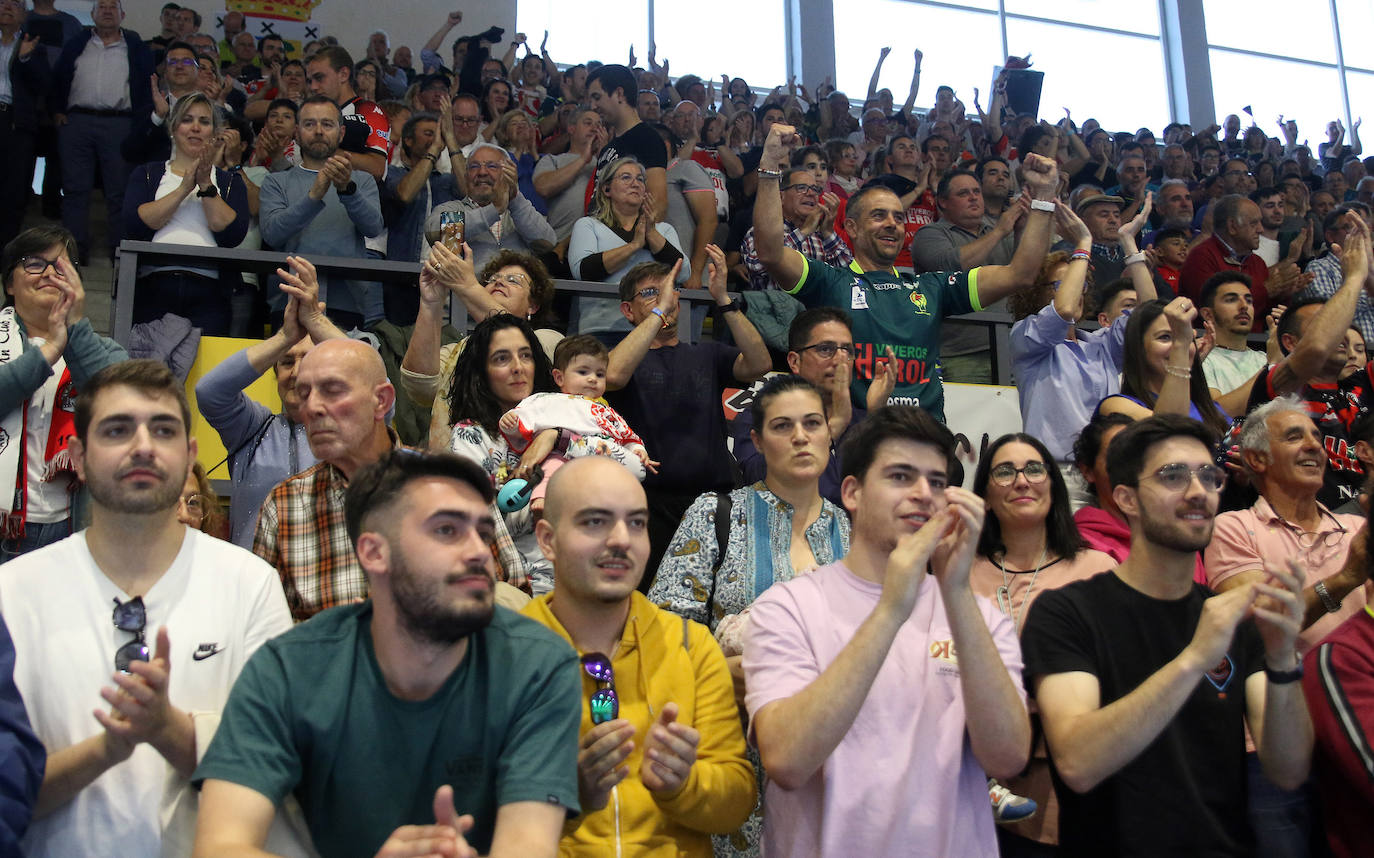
x=903 y=780
x=187 y=224
x=1268 y=250
x=219 y=603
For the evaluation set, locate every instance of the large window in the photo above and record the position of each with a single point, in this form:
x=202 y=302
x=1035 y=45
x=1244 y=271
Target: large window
x=1278 y=57
x=578 y=33
x=1101 y=58
x=1114 y=78
x=1097 y=61
x=747 y=42
x=961 y=48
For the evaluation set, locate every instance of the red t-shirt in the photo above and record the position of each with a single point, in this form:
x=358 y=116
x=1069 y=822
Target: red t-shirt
x=366 y=128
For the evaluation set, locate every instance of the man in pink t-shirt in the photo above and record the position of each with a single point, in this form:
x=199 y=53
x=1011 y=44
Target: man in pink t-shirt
x=1282 y=450
x=860 y=674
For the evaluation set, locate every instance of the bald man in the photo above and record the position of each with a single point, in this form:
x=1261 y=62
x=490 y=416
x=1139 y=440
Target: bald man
x=343 y=398
x=673 y=748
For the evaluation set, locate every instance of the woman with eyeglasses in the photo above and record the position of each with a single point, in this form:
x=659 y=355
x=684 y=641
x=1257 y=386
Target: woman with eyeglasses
x=511 y=282
x=51 y=350
x=620 y=232
x=730 y=548
x=199 y=506
x=365 y=74
x=1029 y=544
x=187 y=201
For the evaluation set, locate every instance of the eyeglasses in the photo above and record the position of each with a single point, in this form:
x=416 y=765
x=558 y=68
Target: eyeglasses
x=464 y=120
x=649 y=293
x=132 y=617
x=815 y=189
x=510 y=279
x=37 y=265
x=1005 y=473
x=185 y=62
x=826 y=350
x=1178 y=476
x=604 y=703
x=194 y=504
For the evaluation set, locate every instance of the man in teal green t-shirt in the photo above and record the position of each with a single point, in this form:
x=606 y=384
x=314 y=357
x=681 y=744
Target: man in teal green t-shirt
x=388 y=719
x=901 y=312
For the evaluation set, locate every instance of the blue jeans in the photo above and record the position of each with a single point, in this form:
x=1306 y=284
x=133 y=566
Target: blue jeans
x=1281 y=818
x=35 y=536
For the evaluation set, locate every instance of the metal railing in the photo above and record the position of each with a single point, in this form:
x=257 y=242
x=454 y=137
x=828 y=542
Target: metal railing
x=264 y=263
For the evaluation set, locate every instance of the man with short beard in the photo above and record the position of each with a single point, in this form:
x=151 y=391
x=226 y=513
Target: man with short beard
x=1162 y=691
x=389 y=717
x=668 y=758
x=995 y=177
x=1226 y=303
x=188 y=609
x=323 y=208
x=891 y=310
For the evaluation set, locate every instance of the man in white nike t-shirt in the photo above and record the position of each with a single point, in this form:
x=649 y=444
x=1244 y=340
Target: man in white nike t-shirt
x=129 y=634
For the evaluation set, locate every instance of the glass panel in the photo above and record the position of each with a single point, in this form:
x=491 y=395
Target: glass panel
x=1307 y=93
x=1356 y=18
x=1091 y=83
x=962 y=63
x=576 y=36
x=1361 y=86
x=1298 y=30
x=1142 y=18
x=748 y=44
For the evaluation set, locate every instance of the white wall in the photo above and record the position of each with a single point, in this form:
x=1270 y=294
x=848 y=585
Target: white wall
x=408 y=22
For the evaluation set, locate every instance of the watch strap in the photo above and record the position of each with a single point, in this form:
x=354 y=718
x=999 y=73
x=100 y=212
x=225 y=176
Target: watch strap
x=1283 y=677
x=1330 y=602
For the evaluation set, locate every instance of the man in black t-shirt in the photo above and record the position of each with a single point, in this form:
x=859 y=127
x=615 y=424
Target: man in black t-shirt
x=612 y=93
x=1145 y=680
x=670 y=391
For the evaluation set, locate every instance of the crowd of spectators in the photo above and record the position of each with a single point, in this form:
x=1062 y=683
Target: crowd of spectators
x=525 y=590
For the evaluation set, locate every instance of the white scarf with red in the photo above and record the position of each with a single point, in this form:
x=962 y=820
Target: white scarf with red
x=14 y=427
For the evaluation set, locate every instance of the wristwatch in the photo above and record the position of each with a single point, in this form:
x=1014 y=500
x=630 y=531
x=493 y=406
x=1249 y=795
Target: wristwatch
x=1330 y=602
x=735 y=306
x=1283 y=677
x=351 y=188
x=211 y=191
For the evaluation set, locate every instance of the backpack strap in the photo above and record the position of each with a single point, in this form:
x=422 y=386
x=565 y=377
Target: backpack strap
x=723 y=505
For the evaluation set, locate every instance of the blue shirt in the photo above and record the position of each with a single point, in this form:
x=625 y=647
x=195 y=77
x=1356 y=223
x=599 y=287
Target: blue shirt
x=1060 y=381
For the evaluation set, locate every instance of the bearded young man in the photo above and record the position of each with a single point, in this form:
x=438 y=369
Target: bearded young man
x=387 y=717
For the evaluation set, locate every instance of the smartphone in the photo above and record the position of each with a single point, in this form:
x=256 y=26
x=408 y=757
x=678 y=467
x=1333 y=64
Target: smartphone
x=451 y=230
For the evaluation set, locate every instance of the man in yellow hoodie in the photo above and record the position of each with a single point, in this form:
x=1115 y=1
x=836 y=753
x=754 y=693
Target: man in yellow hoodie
x=661 y=762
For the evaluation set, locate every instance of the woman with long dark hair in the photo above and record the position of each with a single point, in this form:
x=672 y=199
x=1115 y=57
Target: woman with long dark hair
x=1162 y=369
x=1029 y=544
x=501 y=363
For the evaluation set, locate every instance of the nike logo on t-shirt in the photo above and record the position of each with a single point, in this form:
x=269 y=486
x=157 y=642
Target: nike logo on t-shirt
x=206 y=650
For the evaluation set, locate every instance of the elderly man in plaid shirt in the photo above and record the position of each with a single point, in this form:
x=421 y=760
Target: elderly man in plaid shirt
x=345 y=399
x=808 y=227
